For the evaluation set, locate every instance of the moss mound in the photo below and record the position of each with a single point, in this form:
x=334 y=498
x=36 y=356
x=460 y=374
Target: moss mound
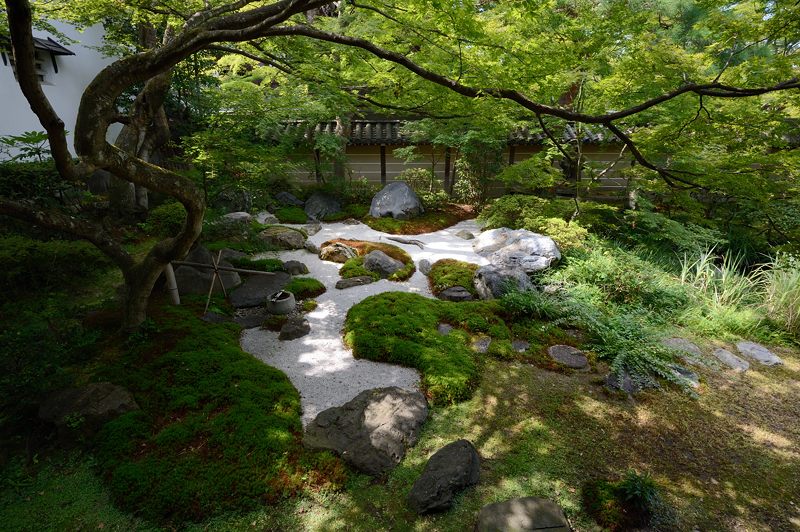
x=305 y=287
x=427 y=222
x=355 y=266
x=291 y=215
x=447 y=273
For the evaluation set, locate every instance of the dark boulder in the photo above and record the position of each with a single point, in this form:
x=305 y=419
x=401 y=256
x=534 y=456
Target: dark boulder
x=398 y=200
x=455 y=293
x=452 y=469
x=379 y=262
x=294 y=328
x=350 y=282
x=88 y=408
x=320 y=205
x=289 y=199
x=493 y=282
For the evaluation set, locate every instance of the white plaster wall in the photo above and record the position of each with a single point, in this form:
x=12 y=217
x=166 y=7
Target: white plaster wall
x=64 y=89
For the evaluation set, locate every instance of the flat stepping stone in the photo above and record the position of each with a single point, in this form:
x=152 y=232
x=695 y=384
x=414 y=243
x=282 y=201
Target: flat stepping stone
x=758 y=352
x=731 y=360
x=521 y=514
x=444 y=329
x=294 y=328
x=256 y=288
x=687 y=374
x=361 y=280
x=520 y=346
x=481 y=345
x=568 y=356
x=456 y=294
x=251 y=318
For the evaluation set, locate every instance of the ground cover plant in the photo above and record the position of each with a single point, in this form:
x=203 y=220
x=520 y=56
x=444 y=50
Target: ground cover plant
x=354 y=267
x=305 y=287
x=263 y=265
x=447 y=273
x=427 y=222
x=291 y=215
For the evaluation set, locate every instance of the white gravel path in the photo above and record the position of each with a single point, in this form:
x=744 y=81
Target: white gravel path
x=319 y=365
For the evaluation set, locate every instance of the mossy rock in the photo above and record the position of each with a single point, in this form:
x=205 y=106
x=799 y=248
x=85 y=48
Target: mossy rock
x=448 y=273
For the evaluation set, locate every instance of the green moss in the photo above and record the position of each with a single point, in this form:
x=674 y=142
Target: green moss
x=447 y=273
x=291 y=215
x=427 y=222
x=354 y=210
x=309 y=305
x=165 y=220
x=264 y=265
x=355 y=268
x=216 y=431
x=305 y=287
x=274 y=322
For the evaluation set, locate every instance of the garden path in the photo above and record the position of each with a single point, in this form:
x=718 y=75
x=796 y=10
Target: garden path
x=319 y=365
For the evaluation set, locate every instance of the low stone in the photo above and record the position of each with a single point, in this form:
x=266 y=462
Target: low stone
x=492 y=282
x=622 y=383
x=250 y=318
x=444 y=329
x=455 y=293
x=283 y=237
x=731 y=360
x=295 y=267
x=520 y=346
x=337 y=252
x=452 y=469
x=213 y=317
x=372 y=431
x=522 y=514
x=361 y=280
x=312 y=228
x=517 y=249
x=684 y=345
x=255 y=289
x=294 y=328
x=424 y=266
x=466 y=235
x=267 y=218
x=311 y=247
x=758 y=352
x=685 y=373
x=320 y=205
x=379 y=262
x=398 y=200
x=287 y=198
x=351 y=221
x=568 y=356
x=191 y=280
x=481 y=345
x=240 y=217
x=227 y=254
x=90 y=406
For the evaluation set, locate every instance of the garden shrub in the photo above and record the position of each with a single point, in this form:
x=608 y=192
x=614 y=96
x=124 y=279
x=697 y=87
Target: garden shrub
x=305 y=287
x=447 y=273
x=291 y=215
x=354 y=210
x=218 y=431
x=634 y=502
x=165 y=220
x=31 y=180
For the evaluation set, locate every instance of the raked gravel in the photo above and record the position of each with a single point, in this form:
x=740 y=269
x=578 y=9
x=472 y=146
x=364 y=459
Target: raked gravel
x=319 y=365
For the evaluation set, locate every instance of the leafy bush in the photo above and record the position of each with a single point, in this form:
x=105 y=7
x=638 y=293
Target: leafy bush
x=511 y=210
x=631 y=503
x=447 y=273
x=656 y=231
x=165 y=220
x=780 y=282
x=305 y=287
x=530 y=304
x=31 y=180
x=420 y=179
x=291 y=215
x=218 y=430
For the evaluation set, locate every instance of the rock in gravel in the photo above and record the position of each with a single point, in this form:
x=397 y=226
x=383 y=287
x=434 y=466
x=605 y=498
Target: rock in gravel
x=250 y=318
x=295 y=267
x=294 y=328
x=320 y=205
x=450 y=470
x=424 y=266
x=93 y=405
x=520 y=346
x=337 y=252
x=568 y=356
x=492 y=282
x=311 y=247
x=283 y=237
x=379 y=262
x=361 y=280
x=444 y=329
x=466 y=235
x=481 y=345
x=517 y=248
x=289 y=199
x=240 y=217
x=758 y=352
x=398 y=200
x=731 y=360
x=312 y=228
x=255 y=289
x=455 y=293
x=522 y=514
x=372 y=431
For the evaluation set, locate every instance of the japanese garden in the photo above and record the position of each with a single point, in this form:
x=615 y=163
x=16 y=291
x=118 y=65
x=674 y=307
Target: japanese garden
x=400 y=265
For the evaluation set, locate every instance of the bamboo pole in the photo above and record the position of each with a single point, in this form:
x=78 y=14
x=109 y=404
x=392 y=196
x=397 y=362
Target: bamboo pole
x=172 y=285
x=223 y=268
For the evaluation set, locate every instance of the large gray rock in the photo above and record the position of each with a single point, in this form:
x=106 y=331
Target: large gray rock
x=283 y=237
x=337 y=252
x=287 y=198
x=372 y=431
x=379 y=262
x=456 y=294
x=758 y=352
x=451 y=469
x=295 y=267
x=522 y=514
x=267 y=218
x=89 y=406
x=255 y=289
x=320 y=205
x=568 y=356
x=397 y=200
x=191 y=280
x=312 y=247
x=492 y=282
x=350 y=282
x=294 y=328
x=517 y=248
x=731 y=360
x=312 y=228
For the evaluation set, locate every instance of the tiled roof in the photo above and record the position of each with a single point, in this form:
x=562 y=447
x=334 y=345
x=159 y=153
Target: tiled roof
x=48 y=45
x=373 y=132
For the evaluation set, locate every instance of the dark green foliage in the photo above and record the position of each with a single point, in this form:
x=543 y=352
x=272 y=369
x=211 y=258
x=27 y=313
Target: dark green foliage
x=427 y=222
x=355 y=268
x=263 y=265
x=31 y=180
x=447 y=273
x=631 y=503
x=216 y=427
x=29 y=263
x=291 y=215
x=274 y=322
x=165 y=220
x=512 y=210
x=309 y=305
x=305 y=287
x=530 y=304
x=356 y=210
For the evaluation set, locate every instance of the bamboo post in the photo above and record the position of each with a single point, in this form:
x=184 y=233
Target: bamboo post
x=172 y=284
